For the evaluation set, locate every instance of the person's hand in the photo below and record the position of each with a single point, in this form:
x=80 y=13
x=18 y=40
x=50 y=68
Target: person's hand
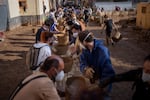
x=89 y=72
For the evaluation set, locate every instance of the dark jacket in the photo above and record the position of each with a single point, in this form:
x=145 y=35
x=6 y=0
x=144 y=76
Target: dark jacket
x=142 y=89
x=109 y=25
x=38 y=34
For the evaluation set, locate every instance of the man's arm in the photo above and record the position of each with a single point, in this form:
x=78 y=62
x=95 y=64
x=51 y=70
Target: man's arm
x=103 y=27
x=131 y=75
x=115 y=26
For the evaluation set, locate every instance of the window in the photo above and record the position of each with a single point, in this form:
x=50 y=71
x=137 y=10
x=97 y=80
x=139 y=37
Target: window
x=143 y=10
x=22 y=5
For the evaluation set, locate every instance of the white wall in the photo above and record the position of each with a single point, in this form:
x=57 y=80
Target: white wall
x=13 y=8
x=32 y=8
x=46 y=2
x=35 y=7
x=2 y=2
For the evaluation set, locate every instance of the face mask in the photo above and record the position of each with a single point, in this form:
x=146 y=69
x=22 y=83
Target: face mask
x=82 y=46
x=75 y=34
x=145 y=77
x=60 y=76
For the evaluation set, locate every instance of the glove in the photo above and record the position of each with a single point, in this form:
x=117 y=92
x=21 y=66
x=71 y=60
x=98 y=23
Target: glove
x=89 y=72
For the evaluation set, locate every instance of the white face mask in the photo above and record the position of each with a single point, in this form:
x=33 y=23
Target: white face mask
x=60 y=76
x=82 y=46
x=75 y=34
x=145 y=77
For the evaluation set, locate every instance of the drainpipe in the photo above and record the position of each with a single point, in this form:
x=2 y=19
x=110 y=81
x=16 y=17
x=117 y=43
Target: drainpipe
x=36 y=3
x=8 y=15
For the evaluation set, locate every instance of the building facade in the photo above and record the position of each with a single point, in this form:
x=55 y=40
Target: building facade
x=3 y=15
x=15 y=13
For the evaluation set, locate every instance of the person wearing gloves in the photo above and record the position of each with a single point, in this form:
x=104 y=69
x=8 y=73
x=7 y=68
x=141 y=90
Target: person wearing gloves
x=95 y=60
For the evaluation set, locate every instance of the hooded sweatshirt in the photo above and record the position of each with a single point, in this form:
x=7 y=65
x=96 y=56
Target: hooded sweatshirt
x=45 y=52
x=98 y=59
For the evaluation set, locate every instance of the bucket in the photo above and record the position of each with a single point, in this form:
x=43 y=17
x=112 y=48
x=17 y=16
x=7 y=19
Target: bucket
x=63 y=40
x=68 y=62
x=74 y=86
x=61 y=49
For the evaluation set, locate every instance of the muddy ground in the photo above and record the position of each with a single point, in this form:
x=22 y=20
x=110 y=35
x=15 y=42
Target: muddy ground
x=125 y=55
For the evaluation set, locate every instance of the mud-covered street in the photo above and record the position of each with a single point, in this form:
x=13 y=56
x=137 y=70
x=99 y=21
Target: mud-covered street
x=125 y=55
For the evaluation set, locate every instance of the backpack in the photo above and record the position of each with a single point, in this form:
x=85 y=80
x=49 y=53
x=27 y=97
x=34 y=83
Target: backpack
x=32 y=57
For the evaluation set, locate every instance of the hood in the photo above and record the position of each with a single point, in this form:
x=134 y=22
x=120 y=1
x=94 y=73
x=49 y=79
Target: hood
x=38 y=45
x=97 y=43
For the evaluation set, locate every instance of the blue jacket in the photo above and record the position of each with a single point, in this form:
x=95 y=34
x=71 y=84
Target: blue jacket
x=98 y=59
x=52 y=28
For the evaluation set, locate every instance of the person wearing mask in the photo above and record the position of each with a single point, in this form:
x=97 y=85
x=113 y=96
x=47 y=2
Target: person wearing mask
x=95 y=63
x=44 y=51
x=40 y=85
x=73 y=38
x=75 y=30
x=45 y=27
x=140 y=78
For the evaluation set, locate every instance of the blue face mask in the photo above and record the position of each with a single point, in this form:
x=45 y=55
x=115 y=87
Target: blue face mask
x=60 y=76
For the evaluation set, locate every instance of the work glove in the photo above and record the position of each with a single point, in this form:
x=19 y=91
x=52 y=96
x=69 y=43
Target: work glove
x=89 y=72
